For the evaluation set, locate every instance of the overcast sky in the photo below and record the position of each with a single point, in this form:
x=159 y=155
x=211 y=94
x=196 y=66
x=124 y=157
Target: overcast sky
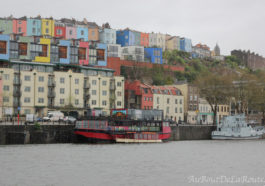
x=233 y=24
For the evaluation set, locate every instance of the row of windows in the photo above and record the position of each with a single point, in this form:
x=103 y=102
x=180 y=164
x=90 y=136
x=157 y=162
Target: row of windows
x=62 y=101
x=62 y=80
x=104 y=102
x=168 y=101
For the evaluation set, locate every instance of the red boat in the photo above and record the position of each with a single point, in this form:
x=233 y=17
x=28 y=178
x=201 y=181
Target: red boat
x=122 y=131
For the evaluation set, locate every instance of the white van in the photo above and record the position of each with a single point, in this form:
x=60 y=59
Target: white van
x=54 y=116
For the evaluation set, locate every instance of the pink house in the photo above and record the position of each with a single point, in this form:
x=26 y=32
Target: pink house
x=20 y=26
x=70 y=32
x=83 y=53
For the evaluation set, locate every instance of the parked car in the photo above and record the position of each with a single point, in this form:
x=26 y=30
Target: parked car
x=30 y=118
x=54 y=116
x=70 y=119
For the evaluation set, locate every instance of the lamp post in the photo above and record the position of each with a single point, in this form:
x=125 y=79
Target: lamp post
x=34 y=93
x=99 y=91
x=70 y=76
x=2 y=103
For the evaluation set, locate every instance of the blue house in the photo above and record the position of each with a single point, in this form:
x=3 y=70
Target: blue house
x=128 y=37
x=102 y=53
x=185 y=44
x=33 y=27
x=62 y=58
x=154 y=55
x=4 y=47
x=82 y=33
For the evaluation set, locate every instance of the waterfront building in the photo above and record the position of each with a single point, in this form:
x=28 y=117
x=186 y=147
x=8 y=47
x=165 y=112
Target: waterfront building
x=33 y=27
x=20 y=26
x=138 y=96
x=93 y=31
x=161 y=41
x=35 y=88
x=185 y=45
x=102 y=53
x=128 y=37
x=170 y=100
x=133 y=53
x=59 y=30
x=107 y=36
x=6 y=25
x=114 y=50
x=172 y=42
x=144 y=39
x=70 y=28
x=201 y=51
x=47 y=27
x=81 y=31
x=153 y=55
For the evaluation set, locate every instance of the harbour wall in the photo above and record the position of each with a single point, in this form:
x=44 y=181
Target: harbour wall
x=45 y=134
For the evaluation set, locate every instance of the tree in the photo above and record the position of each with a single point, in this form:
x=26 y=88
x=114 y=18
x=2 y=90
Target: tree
x=257 y=98
x=214 y=87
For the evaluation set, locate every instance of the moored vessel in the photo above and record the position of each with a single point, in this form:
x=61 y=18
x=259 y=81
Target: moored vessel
x=236 y=127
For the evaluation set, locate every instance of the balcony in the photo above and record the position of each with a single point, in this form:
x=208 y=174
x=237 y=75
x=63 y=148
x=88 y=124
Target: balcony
x=17 y=82
x=112 y=86
x=16 y=104
x=87 y=86
x=112 y=96
x=51 y=94
x=16 y=93
x=51 y=83
x=50 y=105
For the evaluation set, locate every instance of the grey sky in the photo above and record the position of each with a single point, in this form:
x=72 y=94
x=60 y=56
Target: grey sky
x=234 y=24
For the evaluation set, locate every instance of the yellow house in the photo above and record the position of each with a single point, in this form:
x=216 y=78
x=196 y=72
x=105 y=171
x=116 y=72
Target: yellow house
x=47 y=27
x=45 y=55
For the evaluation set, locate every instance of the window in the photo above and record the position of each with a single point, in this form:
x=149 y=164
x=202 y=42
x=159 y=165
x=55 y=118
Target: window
x=19 y=30
x=5 y=99
x=104 y=102
x=70 y=32
x=119 y=84
x=6 y=88
x=59 y=32
x=27 y=89
x=76 y=91
x=94 y=82
x=176 y=110
x=61 y=101
x=94 y=102
x=34 y=22
x=27 y=78
x=94 y=92
x=190 y=98
x=82 y=32
x=100 y=54
x=104 y=92
x=47 y=31
x=2 y=47
x=26 y=100
x=176 y=101
x=61 y=80
x=168 y=100
x=180 y=110
x=63 y=52
x=195 y=98
x=76 y=81
x=47 y=23
x=104 y=83
x=81 y=53
x=93 y=33
x=61 y=90
x=40 y=89
x=76 y=101
x=41 y=78
x=44 y=51
x=157 y=100
x=119 y=103
x=41 y=100
x=6 y=76
x=119 y=93
x=167 y=110
x=27 y=111
x=180 y=101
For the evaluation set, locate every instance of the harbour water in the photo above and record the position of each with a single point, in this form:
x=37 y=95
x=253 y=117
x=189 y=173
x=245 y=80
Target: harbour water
x=169 y=164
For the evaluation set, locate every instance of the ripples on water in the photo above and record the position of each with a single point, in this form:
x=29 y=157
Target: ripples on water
x=166 y=164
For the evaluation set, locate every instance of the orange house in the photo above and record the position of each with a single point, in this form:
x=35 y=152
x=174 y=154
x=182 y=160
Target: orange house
x=144 y=39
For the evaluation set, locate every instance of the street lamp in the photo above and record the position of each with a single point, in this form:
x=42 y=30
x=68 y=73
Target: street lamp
x=34 y=93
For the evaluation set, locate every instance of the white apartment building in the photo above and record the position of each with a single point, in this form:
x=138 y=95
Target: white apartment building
x=134 y=53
